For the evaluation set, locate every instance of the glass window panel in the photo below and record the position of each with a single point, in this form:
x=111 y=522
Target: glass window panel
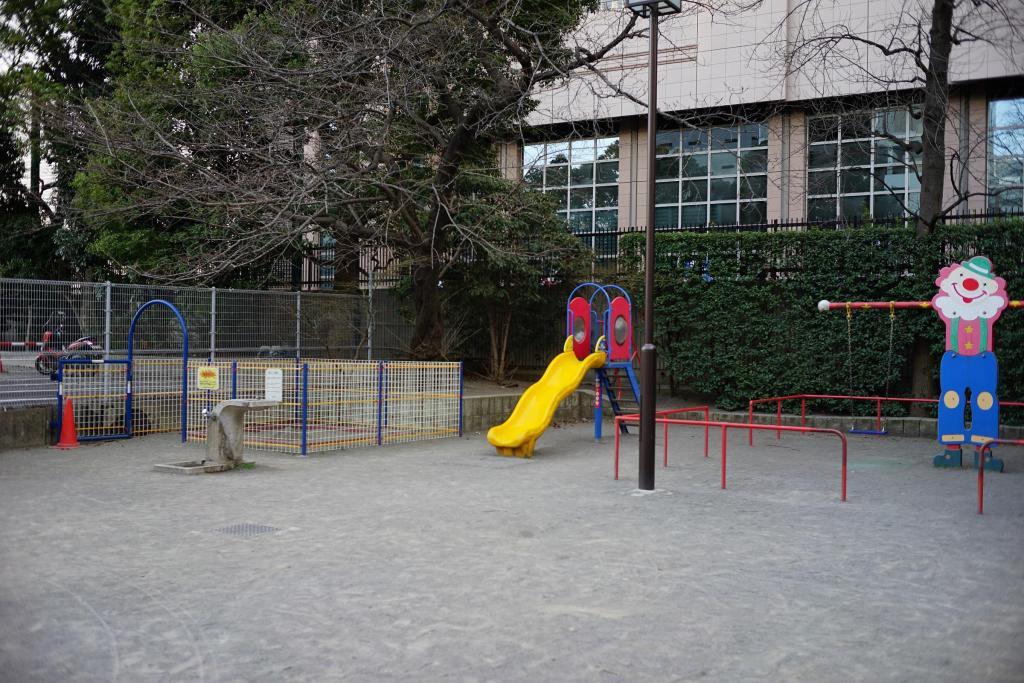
x=1007 y=201
x=822 y=156
x=724 y=138
x=556 y=175
x=581 y=174
x=667 y=142
x=915 y=123
x=606 y=196
x=694 y=166
x=856 y=154
x=722 y=214
x=606 y=221
x=581 y=221
x=695 y=140
x=891 y=122
x=582 y=198
x=532 y=155
x=753 y=135
x=857 y=125
x=534 y=177
x=854 y=208
x=666 y=193
x=694 y=215
x=666 y=168
x=1007 y=143
x=887 y=152
x=558 y=153
x=666 y=217
x=607 y=148
x=608 y=172
x=754 y=161
x=823 y=129
x=753 y=212
x=855 y=180
x=582 y=151
x=694 y=191
x=754 y=187
x=1006 y=113
x=723 y=188
x=913 y=181
x=723 y=163
x=890 y=178
x=821 y=209
x=821 y=182
x=887 y=206
x=913 y=201
x=560 y=198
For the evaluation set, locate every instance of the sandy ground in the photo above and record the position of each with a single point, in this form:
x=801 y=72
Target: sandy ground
x=440 y=561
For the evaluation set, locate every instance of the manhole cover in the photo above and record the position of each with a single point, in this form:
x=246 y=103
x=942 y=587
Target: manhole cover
x=247 y=530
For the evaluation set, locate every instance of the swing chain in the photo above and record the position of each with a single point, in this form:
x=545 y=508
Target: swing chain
x=892 y=330
x=849 y=356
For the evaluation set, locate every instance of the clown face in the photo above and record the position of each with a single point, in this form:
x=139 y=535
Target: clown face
x=968 y=294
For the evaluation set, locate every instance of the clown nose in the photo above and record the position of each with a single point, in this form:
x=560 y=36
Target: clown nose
x=970 y=284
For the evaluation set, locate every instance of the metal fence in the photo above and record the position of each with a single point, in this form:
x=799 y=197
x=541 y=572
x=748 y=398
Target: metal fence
x=325 y=405
x=42 y=321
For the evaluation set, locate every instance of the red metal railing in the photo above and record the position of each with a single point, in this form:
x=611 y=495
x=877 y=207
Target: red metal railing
x=981 y=467
x=890 y=305
x=803 y=398
x=634 y=418
x=725 y=426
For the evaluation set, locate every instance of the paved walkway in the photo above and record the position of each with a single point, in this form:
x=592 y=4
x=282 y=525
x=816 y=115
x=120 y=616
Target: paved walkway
x=441 y=561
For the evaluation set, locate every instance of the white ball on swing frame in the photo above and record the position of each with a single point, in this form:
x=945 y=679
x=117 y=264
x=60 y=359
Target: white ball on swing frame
x=823 y=305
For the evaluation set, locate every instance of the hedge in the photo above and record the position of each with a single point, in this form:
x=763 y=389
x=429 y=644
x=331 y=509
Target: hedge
x=736 y=314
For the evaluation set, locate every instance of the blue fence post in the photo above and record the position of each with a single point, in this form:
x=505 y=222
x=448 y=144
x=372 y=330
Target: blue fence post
x=60 y=394
x=380 y=403
x=128 y=398
x=234 y=379
x=461 y=393
x=305 y=407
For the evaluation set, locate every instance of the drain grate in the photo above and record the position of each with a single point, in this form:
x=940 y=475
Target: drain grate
x=247 y=530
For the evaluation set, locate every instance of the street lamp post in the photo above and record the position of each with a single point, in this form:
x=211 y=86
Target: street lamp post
x=651 y=9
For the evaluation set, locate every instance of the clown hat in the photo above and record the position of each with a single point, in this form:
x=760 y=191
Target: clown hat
x=979 y=265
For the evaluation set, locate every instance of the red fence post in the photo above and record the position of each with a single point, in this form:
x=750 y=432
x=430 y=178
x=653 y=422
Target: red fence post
x=842 y=492
x=981 y=479
x=778 y=418
x=707 y=429
x=750 y=420
x=616 y=448
x=803 y=412
x=666 y=445
x=878 y=415
x=725 y=441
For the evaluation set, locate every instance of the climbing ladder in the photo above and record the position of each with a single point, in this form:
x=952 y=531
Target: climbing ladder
x=611 y=378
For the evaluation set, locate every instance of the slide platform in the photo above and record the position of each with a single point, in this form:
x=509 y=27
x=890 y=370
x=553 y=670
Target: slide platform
x=518 y=435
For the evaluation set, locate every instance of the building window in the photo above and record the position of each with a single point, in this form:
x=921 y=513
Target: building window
x=583 y=178
x=713 y=176
x=858 y=166
x=1006 y=155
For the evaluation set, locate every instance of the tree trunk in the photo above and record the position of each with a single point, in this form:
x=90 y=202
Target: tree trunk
x=428 y=330
x=500 y=323
x=922 y=384
x=936 y=102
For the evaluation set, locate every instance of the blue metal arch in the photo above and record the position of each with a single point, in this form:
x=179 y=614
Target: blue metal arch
x=184 y=364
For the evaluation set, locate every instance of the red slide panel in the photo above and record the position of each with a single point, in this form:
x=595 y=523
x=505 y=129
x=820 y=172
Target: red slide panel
x=620 y=334
x=579 y=327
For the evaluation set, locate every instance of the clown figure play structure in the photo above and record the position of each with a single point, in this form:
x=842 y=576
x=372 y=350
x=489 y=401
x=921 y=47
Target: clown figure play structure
x=969 y=302
x=599 y=337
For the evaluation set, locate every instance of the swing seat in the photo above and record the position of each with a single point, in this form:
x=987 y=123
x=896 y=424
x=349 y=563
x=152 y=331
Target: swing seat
x=868 y=432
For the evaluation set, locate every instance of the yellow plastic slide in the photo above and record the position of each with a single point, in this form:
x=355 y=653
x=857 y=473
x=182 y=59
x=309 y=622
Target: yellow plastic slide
x=519 y=433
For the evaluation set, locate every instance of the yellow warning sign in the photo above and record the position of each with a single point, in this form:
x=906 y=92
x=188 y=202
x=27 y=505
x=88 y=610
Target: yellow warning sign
x=208 y=377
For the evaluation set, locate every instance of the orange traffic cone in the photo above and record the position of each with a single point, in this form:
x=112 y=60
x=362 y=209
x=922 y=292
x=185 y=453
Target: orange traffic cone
x=68 y=435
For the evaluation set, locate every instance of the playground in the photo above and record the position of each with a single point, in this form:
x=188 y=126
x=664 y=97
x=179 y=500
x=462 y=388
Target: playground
x=438 y=560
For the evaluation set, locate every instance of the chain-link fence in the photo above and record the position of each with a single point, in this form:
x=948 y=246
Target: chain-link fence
x=43 y=321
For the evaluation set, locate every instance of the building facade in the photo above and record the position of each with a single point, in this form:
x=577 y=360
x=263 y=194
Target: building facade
x=768 y=116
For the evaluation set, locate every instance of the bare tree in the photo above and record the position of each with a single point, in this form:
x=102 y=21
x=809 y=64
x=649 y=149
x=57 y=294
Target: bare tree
x=903 y=58
x=357 y=119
